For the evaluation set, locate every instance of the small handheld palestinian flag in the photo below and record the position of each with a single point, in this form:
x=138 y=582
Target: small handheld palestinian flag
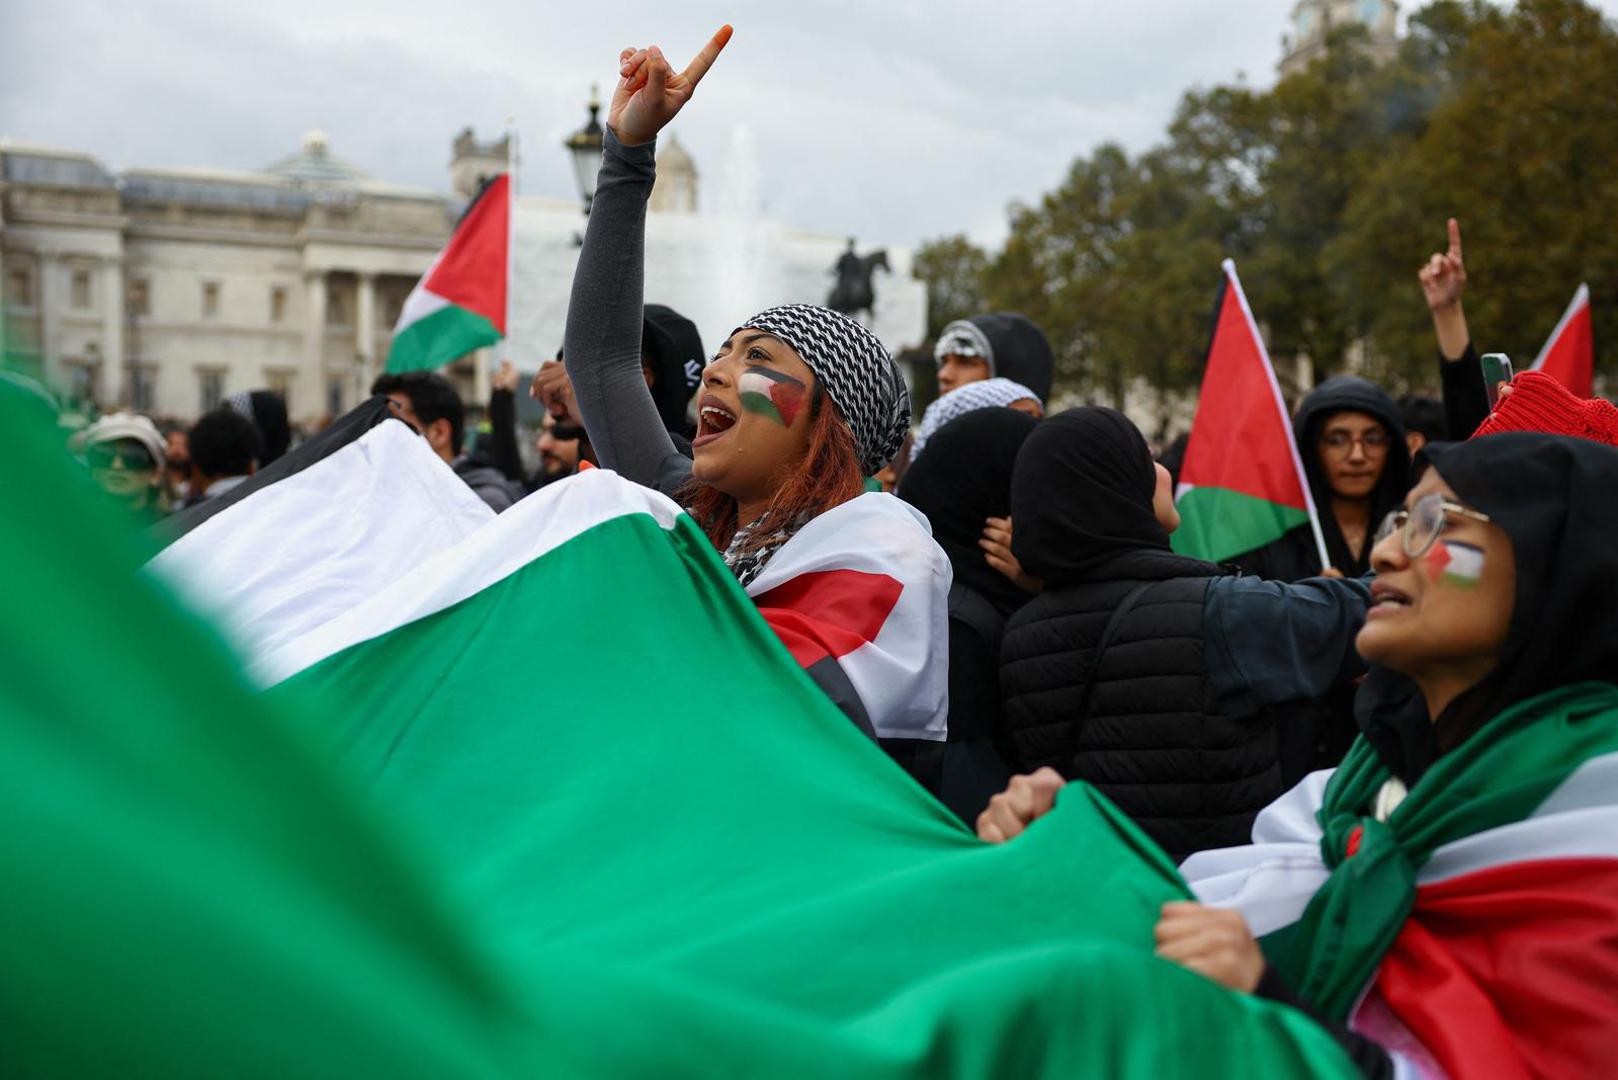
x=1569 y=356
x=460 y=302
x=1242 y=484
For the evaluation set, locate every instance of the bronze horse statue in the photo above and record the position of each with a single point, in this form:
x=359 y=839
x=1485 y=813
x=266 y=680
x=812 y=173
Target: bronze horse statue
x=853 y=292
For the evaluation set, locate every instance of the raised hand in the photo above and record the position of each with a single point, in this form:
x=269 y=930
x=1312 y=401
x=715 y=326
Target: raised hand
x=1014 y=809
x=650 y=92
x=1443 y=279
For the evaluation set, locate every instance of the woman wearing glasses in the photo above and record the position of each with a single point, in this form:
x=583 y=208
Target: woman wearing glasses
x=1447 y=899
x=1352 y=439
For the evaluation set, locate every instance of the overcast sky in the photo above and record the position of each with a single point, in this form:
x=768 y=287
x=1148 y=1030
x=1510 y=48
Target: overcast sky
x=895 y=120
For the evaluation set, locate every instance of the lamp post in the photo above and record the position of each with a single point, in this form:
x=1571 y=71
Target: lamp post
x=585 y=147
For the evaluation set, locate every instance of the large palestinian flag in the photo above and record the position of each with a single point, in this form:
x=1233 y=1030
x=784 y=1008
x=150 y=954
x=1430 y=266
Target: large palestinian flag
x=1472 y=929
x=460 y=302
x=1242 y=484
x=541 y=796
x=1569 y=354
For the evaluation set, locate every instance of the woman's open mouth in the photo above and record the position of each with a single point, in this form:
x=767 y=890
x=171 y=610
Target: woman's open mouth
x=1385 y=600
x=714 y=418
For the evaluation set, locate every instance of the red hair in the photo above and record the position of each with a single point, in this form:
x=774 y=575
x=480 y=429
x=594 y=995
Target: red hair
x=828 y=475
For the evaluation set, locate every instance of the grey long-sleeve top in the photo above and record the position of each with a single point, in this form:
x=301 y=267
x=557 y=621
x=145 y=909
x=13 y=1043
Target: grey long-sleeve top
x=601 y=345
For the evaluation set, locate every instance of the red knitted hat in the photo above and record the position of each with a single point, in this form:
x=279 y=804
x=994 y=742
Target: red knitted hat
x=1538 y=402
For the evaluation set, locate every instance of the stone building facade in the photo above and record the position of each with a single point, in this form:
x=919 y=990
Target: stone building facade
x=165 y=289
x=1313 y=20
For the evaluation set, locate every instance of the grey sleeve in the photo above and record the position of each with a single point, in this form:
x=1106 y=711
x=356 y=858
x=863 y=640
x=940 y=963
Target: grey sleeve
x=1271 y=642
x=601 y=345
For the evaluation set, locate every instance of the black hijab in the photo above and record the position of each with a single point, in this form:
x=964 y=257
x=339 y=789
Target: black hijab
x=1554 y=496
x=1349 y=393
x=1081 y=503
x=963 y=478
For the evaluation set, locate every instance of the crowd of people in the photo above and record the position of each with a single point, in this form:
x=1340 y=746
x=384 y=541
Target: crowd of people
x=1053 y=634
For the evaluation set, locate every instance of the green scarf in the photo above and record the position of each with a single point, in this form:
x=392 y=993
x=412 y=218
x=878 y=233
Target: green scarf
x=1499 y=776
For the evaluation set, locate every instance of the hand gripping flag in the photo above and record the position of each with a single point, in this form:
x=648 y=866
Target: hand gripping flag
x=460 y=302
x=1242 y=484
x=1569 y=354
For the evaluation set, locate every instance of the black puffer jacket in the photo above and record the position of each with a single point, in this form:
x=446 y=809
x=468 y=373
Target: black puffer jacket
x=1179 y=725
x=1294 y=555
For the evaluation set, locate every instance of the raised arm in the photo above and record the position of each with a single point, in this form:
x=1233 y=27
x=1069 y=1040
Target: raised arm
x=1443 y=280
x=602 y=341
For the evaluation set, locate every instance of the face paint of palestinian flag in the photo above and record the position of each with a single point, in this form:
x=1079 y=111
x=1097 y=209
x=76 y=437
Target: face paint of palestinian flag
x=770 y=393
x=1455 y=563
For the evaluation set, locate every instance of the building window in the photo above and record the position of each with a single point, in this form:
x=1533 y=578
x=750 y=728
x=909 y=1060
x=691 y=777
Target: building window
x=336 y=310
x=394 y=306
x=79 y=290
x=20 y=287
x=81 y=381
x=278 y=304
x=334 y=395
x=142 y=387
x=210 y=299
x=212 y=384
x=140 y=297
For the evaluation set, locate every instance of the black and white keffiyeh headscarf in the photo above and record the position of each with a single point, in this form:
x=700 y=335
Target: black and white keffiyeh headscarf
x=859 y=375
x=983 y=394
x=964 y=338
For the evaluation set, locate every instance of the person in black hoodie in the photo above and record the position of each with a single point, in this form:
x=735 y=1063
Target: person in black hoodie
x=1160 y=679
x=1003 y=344
x=1352 y=439
x=963 y=480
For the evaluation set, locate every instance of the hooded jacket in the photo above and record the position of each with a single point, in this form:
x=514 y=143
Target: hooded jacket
x=1179 y=724
x=671 y=346
x=1012 y=345
x=964 y=479
x=1293 y=556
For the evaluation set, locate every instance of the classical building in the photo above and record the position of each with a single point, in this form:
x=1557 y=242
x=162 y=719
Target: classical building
x=1313 y=20
x=164 y=290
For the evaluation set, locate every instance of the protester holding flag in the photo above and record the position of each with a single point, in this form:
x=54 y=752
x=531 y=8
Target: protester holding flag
x=963 y=481
x=1159 y=678
x=798 y=406
x=1450 y=891
x=1351 y=437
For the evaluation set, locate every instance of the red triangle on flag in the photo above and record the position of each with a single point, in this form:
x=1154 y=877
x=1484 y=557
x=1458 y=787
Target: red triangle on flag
x=1569 y=356
x=471 y=271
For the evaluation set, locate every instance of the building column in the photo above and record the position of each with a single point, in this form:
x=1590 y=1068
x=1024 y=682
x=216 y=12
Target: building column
x=312 y=379
x=480 y=376
x=109 y=379
x=48 y=301
x=365 y=330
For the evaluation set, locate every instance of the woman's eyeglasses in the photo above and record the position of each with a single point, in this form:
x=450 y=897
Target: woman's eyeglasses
x=1340 y=442
x=1423 y=523
x=106 y=455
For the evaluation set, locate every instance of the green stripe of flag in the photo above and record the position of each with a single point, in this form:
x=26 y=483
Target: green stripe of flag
x=447 y=334
x=1217 y=523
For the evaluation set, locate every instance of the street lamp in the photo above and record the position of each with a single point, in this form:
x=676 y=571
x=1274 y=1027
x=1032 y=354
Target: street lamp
x=585 y=146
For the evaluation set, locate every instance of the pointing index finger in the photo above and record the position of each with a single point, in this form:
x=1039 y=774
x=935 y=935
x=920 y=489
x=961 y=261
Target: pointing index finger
x=1455 y=238
x=710 y=52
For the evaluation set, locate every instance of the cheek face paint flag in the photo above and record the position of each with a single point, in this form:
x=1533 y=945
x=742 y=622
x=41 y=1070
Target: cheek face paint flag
x=1242 y=484
x=1454 y=563
x=1569 y=354
x=1471 y=933
x=770 y=393
x=700 y=868
x=460 y=302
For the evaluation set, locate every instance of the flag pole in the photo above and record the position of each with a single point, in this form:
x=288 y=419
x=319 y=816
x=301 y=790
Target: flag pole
x=511 y=225
x=1229 y=267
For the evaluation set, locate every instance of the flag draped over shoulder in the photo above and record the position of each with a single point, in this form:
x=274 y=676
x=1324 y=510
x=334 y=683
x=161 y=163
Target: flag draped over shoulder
x=1472 y=932
x=1242 y=484
x=654 y=847
x=460 y=302
x=1569 y=354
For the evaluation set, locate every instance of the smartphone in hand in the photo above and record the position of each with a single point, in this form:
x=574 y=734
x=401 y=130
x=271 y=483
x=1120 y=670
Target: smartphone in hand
x=1496 y=370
